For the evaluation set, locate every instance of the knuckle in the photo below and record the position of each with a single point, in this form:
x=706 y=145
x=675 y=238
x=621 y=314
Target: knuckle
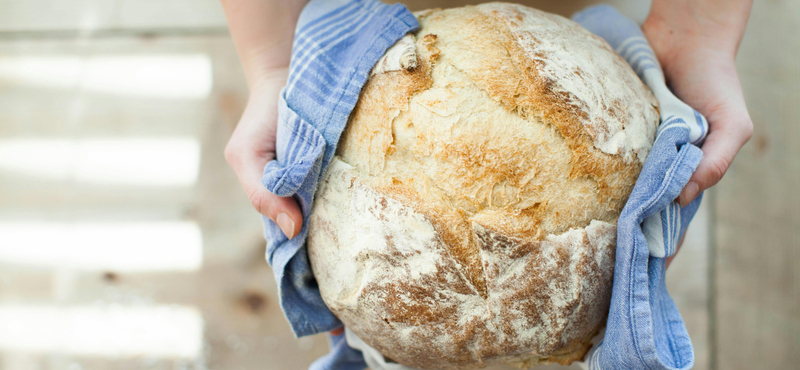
x=716 y=169
x=747 y=130
x=231 y=155
x=260 y=201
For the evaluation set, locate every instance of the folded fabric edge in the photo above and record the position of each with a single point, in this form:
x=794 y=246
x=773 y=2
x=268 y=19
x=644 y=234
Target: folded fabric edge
x=399 y=22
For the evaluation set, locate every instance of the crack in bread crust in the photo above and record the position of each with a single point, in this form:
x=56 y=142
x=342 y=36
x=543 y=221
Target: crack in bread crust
x=468 y=217
x=389 y=276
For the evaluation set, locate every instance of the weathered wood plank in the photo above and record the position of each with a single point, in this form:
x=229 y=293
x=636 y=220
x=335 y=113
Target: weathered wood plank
x=757 y=315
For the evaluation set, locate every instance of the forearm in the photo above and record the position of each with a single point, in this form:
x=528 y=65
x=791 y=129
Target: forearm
x=263 y=31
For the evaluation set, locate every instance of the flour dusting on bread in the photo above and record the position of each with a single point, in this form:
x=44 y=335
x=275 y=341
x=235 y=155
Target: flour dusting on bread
x=469 y=216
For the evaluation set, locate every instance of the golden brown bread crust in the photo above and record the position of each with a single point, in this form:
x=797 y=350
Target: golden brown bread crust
x=385 y=271
x=496 y=144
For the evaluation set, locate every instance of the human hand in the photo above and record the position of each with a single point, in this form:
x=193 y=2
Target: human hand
x=696 y=44
x=252 y=145
x=264 y=49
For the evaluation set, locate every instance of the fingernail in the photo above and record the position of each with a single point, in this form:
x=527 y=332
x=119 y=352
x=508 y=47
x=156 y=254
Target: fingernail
x=286 y=224
x=688 y=194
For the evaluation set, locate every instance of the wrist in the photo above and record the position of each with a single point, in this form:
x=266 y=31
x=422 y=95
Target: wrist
x=261 y=74
x=263 y=33
x=675 y=25
x=680 y=47
x=266 y=81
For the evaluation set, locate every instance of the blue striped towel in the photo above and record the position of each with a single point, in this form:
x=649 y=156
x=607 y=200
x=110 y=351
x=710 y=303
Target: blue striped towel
x=336 y=44
x=644 y=329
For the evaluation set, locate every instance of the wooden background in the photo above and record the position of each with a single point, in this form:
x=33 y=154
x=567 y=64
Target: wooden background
x=737 y=281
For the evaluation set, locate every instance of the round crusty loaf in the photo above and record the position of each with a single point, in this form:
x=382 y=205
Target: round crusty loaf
x=469 y=216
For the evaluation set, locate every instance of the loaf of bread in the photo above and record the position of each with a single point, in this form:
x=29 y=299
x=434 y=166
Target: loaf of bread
x=469 y=216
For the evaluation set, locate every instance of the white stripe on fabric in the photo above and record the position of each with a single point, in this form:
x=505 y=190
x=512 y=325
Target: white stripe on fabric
x=640 y=56
x=323 y=73
x=676 y=232
x=628 y=42
x=303 y=63
x=318 y=96
x=322 y=85
x=328 y=69
x=307 y=50
x=314 y=54
x=306 y=35
x=701 y=123
x=314 y=78
x=645 y=66
x=314 y=95
x=636 y=51
x=316 y=11
x=676 y=227
x=359 y=25
x=326 y=16
x=653 y=231
x=701 y=130
x=667 y=220
x=307 y=45
x=306 y=143
x=677 y=125
x=672 y=106
x=331 y=69
x=311 y=36
x=670 y=124
x=300 y=145
x=293 y=139
x=595 y=363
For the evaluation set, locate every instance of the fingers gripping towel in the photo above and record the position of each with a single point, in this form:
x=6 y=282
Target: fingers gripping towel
x=337 y=42
x=644 y=329
x=335 y=46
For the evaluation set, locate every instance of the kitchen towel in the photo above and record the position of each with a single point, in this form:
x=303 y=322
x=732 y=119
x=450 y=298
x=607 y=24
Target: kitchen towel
x=337 y=43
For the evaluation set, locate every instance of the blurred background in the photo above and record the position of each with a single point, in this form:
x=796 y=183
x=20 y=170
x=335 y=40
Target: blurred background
x=127 y=243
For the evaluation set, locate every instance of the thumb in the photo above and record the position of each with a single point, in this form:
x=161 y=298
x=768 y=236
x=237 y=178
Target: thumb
x=284 y=211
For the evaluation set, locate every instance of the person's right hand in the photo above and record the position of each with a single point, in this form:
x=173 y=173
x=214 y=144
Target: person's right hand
x=252 y=145
x=696 y=44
